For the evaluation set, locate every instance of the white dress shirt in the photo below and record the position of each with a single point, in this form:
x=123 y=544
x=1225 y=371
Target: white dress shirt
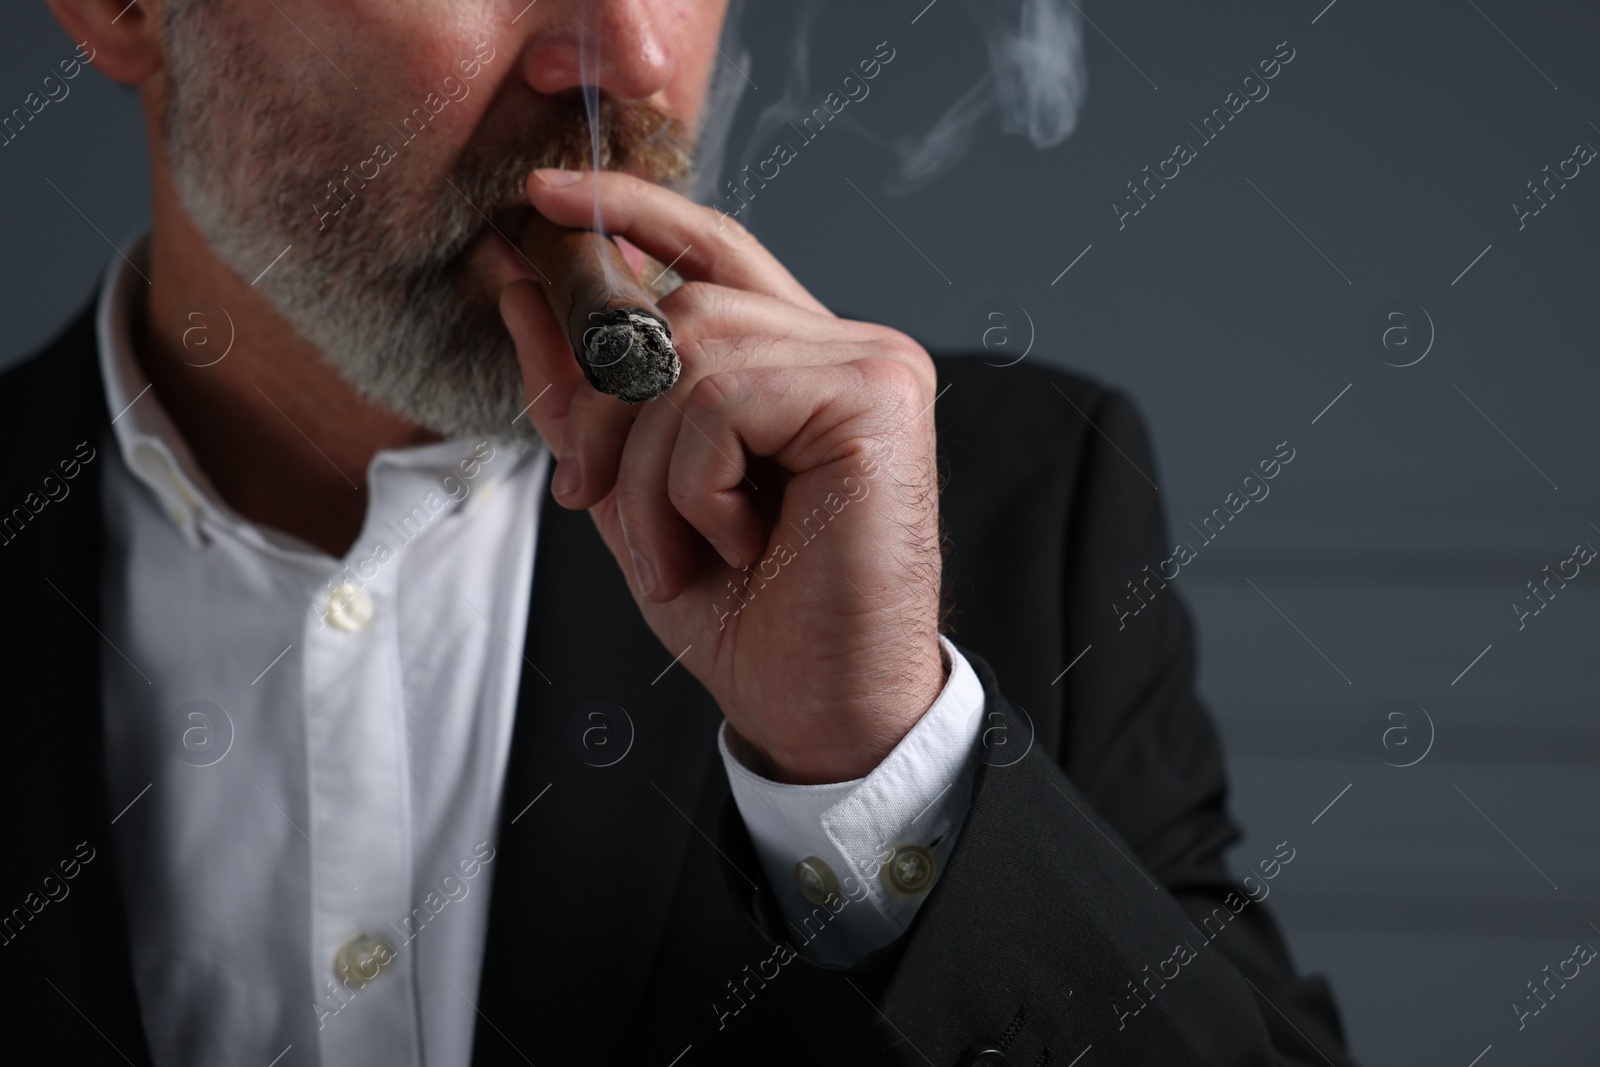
x=307 y=753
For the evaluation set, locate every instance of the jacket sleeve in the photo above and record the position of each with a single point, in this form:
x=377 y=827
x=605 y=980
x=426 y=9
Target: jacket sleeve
x=1087 y=901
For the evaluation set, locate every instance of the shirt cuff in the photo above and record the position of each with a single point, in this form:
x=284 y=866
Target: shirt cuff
x=876 y=844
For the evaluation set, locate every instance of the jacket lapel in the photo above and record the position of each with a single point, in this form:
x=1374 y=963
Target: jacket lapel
x=610 y=747
x=66 y=965
x=595 y=816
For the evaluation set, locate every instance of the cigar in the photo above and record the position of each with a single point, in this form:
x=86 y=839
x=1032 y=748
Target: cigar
x=620 y=338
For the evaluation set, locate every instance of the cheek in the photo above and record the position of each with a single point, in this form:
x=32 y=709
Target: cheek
x=408 y=50
x=695 y=56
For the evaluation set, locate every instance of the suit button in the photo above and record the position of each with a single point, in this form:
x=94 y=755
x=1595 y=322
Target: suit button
x=984 y=1057
x=816 y=880
x=909 y=871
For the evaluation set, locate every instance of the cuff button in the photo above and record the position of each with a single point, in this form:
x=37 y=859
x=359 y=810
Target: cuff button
x=816 y=880
x=910 y=870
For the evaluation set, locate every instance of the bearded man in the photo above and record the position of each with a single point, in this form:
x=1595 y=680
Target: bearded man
x=382 y=693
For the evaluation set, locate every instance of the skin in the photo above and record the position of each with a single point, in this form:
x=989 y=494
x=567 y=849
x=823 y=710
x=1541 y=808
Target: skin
x=782 y=408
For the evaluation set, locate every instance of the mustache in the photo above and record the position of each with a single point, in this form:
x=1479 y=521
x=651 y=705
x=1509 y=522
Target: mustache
x=626 y=135
x=489 y=177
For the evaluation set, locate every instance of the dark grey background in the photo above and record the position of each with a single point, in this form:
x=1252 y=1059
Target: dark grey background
x=1395 y=141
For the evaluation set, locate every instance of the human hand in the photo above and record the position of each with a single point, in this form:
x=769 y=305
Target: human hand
x=775 y=512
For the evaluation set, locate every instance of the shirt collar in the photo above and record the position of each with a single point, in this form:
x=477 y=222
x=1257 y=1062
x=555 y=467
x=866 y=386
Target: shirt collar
x=155 y=452
x=150 y=444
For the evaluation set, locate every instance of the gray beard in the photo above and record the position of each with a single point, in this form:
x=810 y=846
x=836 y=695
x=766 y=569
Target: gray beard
x=412 y=338
x=382 y=290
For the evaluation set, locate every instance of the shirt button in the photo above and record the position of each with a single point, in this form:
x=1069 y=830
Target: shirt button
x=349 y=606
x=816 y=880
x=909 y=870
x=361 y=958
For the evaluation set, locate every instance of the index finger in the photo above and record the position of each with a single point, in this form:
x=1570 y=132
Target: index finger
x=703 y=244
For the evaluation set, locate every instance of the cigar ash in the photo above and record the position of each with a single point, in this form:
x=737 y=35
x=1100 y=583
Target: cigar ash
x=628 y=353
x=622 y=341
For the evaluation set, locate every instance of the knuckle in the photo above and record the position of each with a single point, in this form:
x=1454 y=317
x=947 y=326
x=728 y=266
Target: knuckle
x=694 y=307
x=680 y=492
x=695 y=353
x=899 y=346
x=897 y=392
x=692 y=351
x=702 y=356
x=715 y=392
x=693 y=294
x=632 y=498
x=894 y=378
x=734 y=232
x=729 y=225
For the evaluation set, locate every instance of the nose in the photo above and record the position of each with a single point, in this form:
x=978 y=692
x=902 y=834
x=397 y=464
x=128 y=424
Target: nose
x=621 y=46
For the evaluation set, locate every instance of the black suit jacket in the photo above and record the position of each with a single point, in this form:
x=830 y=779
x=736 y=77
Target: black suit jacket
x=629 y=915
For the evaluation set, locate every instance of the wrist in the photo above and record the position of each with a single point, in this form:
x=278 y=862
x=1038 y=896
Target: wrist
x=858 y=744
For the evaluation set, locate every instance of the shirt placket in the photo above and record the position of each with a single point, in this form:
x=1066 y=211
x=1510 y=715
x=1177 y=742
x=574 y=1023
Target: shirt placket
x=359 y=829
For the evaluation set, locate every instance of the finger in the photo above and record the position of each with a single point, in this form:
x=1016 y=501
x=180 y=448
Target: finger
x=584 y=428
x=661 y=544
x=806 y=418
x=598 y=428
x=703 y=310
x=549 y=373
x=653 y=526
x=700 y=242
x=733 y=323
x=717 y=328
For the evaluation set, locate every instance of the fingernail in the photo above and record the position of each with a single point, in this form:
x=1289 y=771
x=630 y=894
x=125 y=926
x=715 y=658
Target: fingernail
x=568 y=477
x=730 y=557
x=645 y=573
x=557 y=179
